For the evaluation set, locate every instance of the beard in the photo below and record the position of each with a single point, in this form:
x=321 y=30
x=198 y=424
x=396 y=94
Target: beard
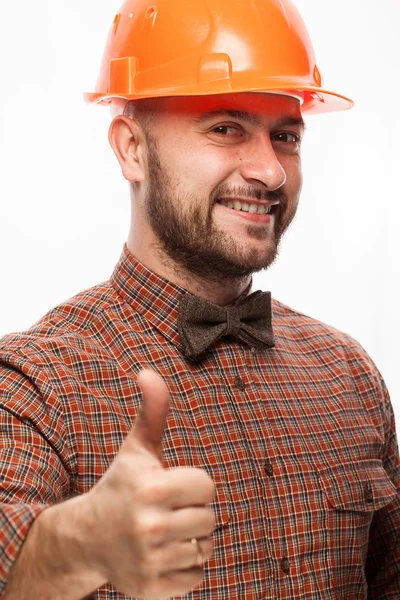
x=189 y=240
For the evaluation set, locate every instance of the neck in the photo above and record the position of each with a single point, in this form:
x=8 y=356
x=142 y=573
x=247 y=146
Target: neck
x=221 y=292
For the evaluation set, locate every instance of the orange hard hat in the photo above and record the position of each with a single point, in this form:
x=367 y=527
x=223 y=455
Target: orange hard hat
x=198 y=47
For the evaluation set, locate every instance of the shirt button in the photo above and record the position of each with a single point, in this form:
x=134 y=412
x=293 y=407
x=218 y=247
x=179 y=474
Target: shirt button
x=368 y=495
x=268 y=468
x=285 y=565
x=240 y=384
x=253 y=350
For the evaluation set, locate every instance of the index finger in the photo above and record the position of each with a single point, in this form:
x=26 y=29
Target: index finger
x=188 y=487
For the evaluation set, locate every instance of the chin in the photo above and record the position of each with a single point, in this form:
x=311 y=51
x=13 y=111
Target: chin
x=256 y=260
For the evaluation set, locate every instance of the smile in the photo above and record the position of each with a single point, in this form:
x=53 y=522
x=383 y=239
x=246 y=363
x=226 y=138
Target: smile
x=249 y=207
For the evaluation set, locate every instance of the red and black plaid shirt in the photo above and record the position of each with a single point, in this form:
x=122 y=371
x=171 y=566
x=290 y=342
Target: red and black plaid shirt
x=299 y=439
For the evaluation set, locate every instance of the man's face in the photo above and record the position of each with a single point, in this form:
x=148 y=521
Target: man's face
x=224 y=180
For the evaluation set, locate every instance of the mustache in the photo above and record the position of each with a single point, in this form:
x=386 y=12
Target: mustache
x=248 y=191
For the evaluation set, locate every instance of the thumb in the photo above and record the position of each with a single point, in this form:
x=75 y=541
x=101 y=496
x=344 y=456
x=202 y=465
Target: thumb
x=148 y=430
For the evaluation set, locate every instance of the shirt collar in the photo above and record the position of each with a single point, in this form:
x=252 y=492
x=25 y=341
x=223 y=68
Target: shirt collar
x=152 y=296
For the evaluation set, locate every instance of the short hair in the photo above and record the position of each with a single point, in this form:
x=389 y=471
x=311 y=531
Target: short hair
x=142 y=110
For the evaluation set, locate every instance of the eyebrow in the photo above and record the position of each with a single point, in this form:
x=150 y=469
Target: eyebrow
x=248 y=117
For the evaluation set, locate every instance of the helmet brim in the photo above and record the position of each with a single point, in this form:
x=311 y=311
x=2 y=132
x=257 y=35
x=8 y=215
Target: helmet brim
x=316 y=100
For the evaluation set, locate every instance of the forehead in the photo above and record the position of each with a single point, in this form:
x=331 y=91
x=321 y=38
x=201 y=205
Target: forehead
x=265 y=106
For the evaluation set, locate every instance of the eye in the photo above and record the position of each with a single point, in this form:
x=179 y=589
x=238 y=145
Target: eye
x=286 y=137
x=224 y=129
x=286 y=142
x=227 y=133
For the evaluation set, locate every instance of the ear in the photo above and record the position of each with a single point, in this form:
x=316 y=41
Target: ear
x=128 y=142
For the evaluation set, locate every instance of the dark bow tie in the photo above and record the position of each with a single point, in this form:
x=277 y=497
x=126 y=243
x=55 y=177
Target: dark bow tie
x=201 y=323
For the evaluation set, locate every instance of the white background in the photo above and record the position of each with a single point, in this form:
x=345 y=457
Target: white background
x=65 y=206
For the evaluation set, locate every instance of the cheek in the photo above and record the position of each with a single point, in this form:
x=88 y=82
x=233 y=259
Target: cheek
x=202 y=171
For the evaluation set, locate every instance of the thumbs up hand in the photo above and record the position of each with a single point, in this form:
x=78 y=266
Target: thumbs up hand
x=152 y=526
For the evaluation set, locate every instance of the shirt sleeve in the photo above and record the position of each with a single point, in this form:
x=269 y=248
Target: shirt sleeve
x=32 y=474
x=383 y=561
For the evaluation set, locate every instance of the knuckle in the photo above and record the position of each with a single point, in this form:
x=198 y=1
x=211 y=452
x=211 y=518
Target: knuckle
x=153 y=491
x=152 y=530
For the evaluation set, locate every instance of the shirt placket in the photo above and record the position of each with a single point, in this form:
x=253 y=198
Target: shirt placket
x=266 y=465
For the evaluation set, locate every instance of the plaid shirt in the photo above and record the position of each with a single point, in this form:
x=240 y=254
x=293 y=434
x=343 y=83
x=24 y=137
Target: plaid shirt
x=299 y=438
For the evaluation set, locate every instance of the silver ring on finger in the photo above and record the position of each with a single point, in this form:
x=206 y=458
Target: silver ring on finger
x=199 y=556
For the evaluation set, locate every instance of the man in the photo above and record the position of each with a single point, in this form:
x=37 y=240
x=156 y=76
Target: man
x=263 y=462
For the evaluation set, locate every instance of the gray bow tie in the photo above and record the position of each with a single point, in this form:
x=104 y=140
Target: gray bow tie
x=201 y=323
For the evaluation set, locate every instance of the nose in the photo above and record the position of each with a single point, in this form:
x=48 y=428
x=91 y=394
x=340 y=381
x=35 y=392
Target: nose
x=260 y=165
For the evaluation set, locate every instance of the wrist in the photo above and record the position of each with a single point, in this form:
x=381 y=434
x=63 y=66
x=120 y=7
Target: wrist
x=74 y=552
x=56 y=558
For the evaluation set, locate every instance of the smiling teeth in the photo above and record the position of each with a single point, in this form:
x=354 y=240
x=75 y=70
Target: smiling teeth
x=259 y=209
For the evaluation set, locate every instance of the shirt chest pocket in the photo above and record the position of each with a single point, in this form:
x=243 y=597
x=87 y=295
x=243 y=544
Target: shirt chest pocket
x=361 y=486
x=352 y=492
